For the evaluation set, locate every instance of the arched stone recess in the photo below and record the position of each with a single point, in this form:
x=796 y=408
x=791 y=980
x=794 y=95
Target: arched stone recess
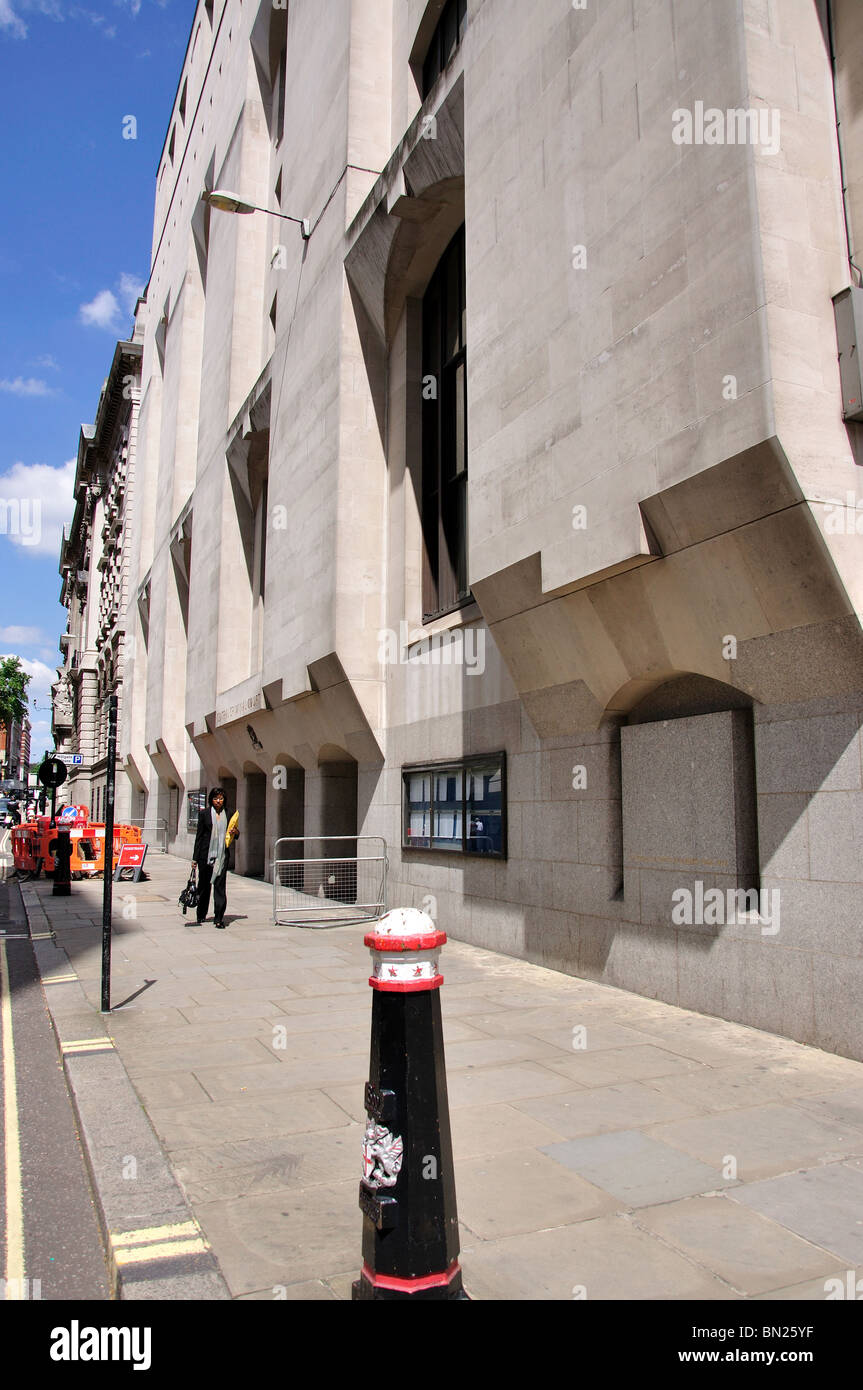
x=331 y=818
x=285 y=809
x=226 y=779
x=681 y=695
x=251 y=854
x=331 y=794
x=687 y=776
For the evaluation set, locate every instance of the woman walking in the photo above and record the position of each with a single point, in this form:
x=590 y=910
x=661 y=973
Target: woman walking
x=211 y=857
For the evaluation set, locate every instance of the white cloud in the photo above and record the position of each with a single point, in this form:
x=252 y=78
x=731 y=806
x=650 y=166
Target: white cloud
x=102 y=311
x=130 y=289
x=37 y=502
x=24 y=636
x=107 y=310
x=99 y=21
x=26 y=387
x=41 y=739
x=10 y=21
x=52 y=8
x=48 y=362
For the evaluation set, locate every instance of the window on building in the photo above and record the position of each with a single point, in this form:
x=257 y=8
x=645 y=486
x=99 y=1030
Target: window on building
x=183 y=95
x=269 y=44
x=445 y=40
x=181 y=556
x=248 y=463
x=144 y=613
x=444 y=437
x=279 y=81
x=458 y=806
x=259 y=580
x=161 y=334
x=201 y=222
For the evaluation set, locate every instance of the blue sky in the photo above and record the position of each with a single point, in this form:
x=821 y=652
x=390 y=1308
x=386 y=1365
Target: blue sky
x=74 y=253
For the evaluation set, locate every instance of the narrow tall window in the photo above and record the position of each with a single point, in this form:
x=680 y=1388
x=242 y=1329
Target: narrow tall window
x=444 y=439
x=279 y=81
x=445 y=40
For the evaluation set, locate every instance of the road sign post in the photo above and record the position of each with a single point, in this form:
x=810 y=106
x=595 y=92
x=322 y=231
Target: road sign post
x=108 y=871
x=52 y=773
x=62 y=863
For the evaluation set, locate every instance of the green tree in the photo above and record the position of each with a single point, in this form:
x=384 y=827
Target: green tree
x=13 y=693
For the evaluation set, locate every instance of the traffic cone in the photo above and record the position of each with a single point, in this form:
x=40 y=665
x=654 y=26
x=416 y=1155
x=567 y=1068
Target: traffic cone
x=407 y=1192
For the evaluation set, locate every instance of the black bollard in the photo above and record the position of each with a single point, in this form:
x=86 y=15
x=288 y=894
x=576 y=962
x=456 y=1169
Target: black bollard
x=407 y=1192
x=62 y=853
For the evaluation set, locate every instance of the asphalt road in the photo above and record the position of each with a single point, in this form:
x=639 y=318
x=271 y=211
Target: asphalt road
x=50 y=1234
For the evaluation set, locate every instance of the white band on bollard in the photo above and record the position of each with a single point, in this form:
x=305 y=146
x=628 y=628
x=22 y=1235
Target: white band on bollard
x=405 y=945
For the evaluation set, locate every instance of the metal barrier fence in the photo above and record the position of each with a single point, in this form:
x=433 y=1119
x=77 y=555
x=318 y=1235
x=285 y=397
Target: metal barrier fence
x=329 y=881
x=156 y=830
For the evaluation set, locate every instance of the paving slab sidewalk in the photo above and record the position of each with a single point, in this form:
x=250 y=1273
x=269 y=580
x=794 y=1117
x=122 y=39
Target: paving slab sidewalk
x=607 y=1146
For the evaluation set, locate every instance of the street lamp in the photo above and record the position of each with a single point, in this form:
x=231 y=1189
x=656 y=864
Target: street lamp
x=225 y=201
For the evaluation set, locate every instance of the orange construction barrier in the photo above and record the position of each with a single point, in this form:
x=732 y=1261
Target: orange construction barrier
x=33 y=843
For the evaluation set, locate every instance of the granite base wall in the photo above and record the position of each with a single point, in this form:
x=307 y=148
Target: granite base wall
x=587 y=889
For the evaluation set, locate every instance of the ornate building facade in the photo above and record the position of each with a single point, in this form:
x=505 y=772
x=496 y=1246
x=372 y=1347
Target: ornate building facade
x=15 y=754
x=94 y=565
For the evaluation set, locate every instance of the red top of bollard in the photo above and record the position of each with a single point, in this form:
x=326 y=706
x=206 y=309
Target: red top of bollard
x=404 y=929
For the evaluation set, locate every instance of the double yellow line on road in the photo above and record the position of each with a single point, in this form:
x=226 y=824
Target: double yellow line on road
x=13 y=1196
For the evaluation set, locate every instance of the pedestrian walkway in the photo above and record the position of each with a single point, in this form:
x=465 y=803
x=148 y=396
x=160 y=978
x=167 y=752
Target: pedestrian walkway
x=606 y=1146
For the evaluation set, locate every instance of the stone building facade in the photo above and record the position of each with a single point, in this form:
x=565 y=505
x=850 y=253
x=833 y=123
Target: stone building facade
x=94 y=565
x=15 y=754
x=508 y=511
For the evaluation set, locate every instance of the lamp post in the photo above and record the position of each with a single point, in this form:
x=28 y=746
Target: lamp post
x=108 y=871
x=225 y=201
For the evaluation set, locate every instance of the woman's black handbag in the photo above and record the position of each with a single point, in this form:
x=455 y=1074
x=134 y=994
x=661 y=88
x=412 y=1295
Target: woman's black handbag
x=189 y=895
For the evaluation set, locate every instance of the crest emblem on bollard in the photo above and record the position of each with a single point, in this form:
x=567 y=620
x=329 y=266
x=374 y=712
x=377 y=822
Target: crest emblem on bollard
x=382 y=1155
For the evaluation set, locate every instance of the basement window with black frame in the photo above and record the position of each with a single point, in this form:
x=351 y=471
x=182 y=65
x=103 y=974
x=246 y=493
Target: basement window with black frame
x=458 y=806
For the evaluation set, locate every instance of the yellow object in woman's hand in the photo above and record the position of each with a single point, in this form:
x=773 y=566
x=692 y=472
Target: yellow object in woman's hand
x=232 y=830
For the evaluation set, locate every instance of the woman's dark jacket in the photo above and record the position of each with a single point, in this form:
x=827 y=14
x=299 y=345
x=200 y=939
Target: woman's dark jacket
x=202 y=837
